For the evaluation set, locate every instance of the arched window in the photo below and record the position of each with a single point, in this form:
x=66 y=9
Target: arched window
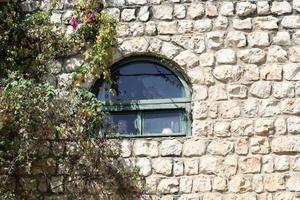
x=149 y=99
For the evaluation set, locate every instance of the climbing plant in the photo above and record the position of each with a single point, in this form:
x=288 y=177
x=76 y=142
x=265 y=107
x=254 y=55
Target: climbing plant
x=51 y=140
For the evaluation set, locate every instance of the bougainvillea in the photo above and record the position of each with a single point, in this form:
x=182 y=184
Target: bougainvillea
x=50 y=140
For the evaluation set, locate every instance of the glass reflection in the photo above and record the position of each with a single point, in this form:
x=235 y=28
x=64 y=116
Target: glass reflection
x=163 y=123
x=141 y=80
x=124 y=123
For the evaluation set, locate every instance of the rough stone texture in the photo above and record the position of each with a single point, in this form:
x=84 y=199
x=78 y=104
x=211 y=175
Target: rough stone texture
x=242 y=62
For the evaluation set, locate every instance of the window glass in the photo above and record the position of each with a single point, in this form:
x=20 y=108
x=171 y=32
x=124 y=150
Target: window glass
x=162 y=123
x=124 y=123
x=142 y=80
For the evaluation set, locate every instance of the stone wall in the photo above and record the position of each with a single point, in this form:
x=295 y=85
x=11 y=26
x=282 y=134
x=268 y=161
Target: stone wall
x=242 y=59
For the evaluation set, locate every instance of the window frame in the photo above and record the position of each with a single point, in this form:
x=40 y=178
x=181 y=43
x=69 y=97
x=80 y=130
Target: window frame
x=150 y=105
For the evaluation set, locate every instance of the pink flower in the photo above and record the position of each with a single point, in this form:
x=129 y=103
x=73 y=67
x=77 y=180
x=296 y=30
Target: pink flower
x=74 y=23
x=92 y=16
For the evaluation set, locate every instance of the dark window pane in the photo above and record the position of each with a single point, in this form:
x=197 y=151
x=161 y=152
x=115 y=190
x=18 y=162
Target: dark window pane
x=162 y=123
x=142 y=80
x=124 y=123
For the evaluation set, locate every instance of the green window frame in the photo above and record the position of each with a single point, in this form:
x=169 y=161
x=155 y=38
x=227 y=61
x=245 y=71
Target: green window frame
x=154 y=106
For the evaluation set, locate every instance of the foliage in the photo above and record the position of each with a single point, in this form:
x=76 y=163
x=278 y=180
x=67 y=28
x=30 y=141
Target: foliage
x=50 y=137
x=30 y=42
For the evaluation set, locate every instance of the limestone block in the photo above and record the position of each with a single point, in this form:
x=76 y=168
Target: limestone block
x=229 y=166
x=228 y=73
x=291 y=71
x=128 y=15
x=210 y=164
x=237 y=91
x=281 y=7
x=221 y=129
x=274 y=182
x=201 y=184
x=252 y=56
x=212 y=196
x=226 y=56
x=217 y=92
x=296 y=37
x=260 y=145
x=267 y=164
x=283 y=196
x=145 y=148
x=137 y=28
x=242 y=127
x=227 y=8
x=280 y=126
x=136 y=2
x=242 y=24
x=178 y=167
x=257 y=183
x=202 y=128
x=170 y=148
x=277 y=54
x=240 y=183
x=185 y=26
x=162 y=12
x=296 y=5
x=207 y=59
x=270 y=107
x=151 y=183
x=293 y=182
x=271 y=72
x=179 y=11
x=126 y=148
x=167 y=27
x=187 y=58
x=220 y=147
x=291 y=21
x=293 y=125
x=191 y=166
x=169 y=50
x=241 y=146
x=211 y=9
x=261 y=89
x=291 y=106
x=264 y=126
x=200 y=109
x=137 y=44
x=144 y=14
x=168 y=186
x=195 y=10
x=251 y=73
x=185 y=184
x=245 y=8
x=162 y=166
x=150 y=29
x=266 y=23
x=281 y=163
x=144 y=166
x=194 y=147
x=263 y=7
x=282 y=38
x=229 y=109
x=203 y=25
x=258 y=39
x=221 y=22
x=219 y=184
x=295 y=54
x=250 y=164
x=284 y=89
x=286 y=144
x=215 y=39
x=236 y=39
x=250 y=107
